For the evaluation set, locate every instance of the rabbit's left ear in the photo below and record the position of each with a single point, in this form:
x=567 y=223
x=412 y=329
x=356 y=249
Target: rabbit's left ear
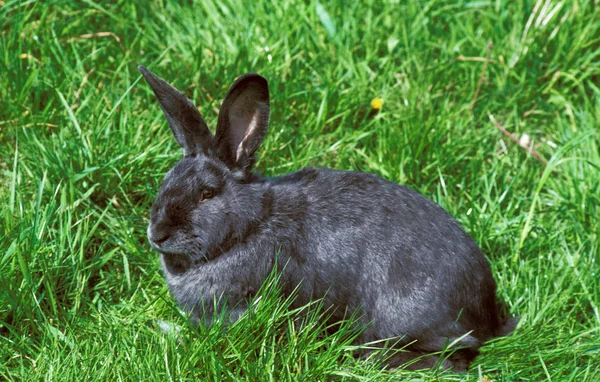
x=243 y=121
x=184 y=119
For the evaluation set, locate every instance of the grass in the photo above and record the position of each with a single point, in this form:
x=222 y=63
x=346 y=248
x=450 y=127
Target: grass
x=84 y=146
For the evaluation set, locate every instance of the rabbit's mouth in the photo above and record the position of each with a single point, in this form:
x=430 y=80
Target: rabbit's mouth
x=164 y=248
x=161 y=249
x=195 y=258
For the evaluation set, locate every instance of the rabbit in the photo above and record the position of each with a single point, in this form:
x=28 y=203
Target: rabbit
x=357 y=241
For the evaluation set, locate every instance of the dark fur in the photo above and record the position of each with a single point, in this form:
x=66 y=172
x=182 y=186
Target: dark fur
x=356 y=240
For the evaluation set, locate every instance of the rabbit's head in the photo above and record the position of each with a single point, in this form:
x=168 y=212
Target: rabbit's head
x=208 y=200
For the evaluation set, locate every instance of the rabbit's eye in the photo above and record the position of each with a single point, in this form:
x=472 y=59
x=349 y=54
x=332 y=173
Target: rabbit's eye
x=207 y=194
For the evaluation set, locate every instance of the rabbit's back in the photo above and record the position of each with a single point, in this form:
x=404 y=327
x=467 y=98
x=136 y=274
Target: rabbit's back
x=366 y=243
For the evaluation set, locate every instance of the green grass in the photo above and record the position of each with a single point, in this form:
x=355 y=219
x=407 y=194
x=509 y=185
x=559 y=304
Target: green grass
x=84 y=146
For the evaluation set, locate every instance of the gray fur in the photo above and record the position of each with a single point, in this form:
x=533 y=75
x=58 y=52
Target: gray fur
x=354 y=239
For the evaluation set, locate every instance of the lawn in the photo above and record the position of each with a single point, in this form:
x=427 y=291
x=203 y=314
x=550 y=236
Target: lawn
x=84 y=147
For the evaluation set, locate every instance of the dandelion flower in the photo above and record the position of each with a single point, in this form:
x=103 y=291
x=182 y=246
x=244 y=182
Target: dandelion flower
x=376 y=103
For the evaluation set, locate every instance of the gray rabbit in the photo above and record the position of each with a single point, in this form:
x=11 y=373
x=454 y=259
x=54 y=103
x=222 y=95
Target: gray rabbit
x=354 y=239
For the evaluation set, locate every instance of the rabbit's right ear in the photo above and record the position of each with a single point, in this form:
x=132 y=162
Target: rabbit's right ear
x=189 y=129
x=243 y=121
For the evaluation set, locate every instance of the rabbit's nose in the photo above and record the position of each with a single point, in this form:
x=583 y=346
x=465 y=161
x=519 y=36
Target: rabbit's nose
x=157 y=236
x=161 y=239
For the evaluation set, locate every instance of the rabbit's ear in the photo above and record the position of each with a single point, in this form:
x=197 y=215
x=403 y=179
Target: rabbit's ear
x=184 y=119
x=243 y=121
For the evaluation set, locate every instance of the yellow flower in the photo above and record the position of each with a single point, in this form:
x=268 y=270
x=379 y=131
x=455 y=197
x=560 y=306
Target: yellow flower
x=377 y=103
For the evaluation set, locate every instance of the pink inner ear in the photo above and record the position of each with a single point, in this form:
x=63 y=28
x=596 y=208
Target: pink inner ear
x=243 y=123
x=250 y=130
